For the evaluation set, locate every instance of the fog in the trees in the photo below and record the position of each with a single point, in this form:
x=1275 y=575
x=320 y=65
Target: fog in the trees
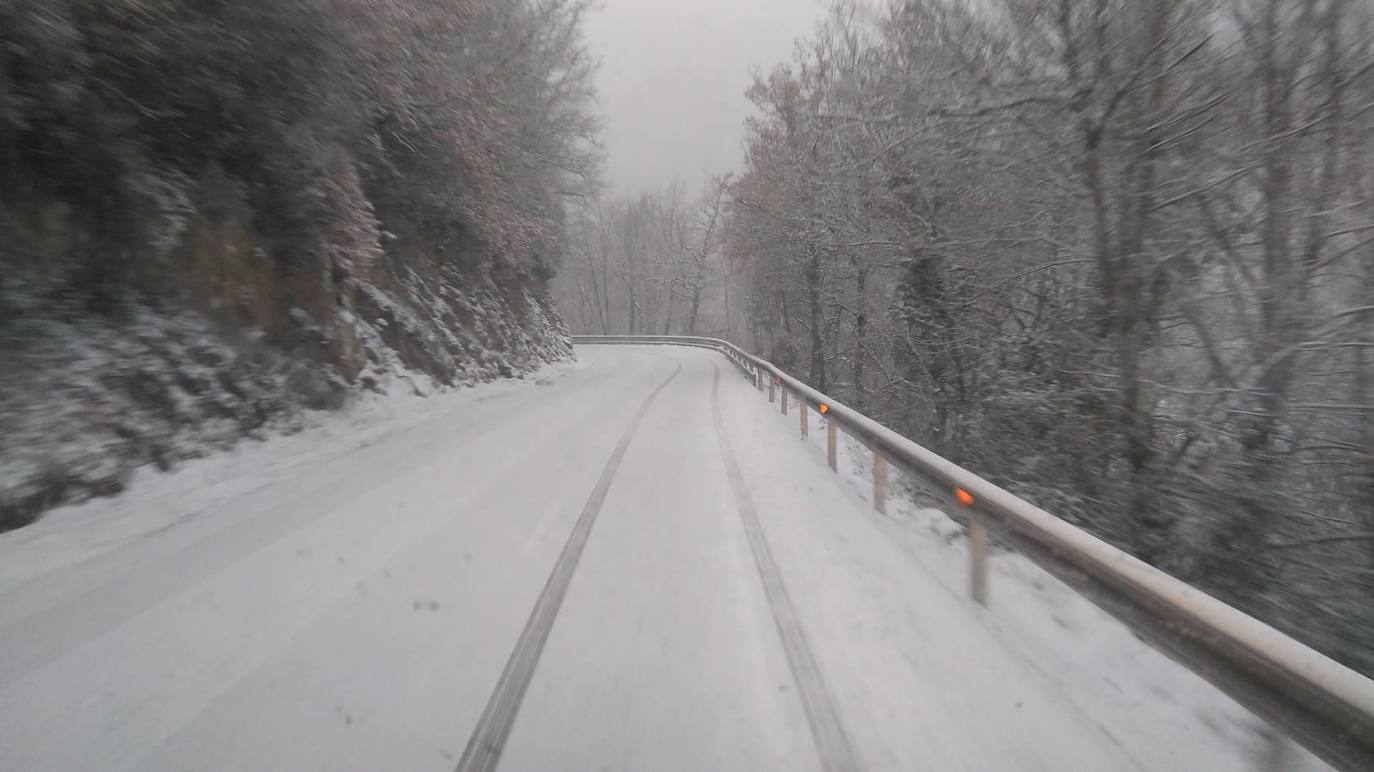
x=1115 y=256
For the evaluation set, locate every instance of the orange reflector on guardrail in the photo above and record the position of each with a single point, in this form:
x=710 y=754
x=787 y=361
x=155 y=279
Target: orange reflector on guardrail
x=963 y=497
x=824 y=408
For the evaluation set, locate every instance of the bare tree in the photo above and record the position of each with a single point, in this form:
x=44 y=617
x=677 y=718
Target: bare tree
x=1114 y=255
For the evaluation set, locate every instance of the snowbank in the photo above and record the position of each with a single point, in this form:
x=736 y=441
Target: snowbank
x=1157 y=710
x=87 y=403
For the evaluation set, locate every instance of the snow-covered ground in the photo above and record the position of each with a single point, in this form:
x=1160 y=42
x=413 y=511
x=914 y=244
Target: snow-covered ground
x=158 y=500
x=347 y=597
x=1159 y=713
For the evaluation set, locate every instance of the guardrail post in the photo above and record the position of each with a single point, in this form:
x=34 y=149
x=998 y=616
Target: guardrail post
x=978 y=560
x=879 y=482
x=783 y=394
x=804 y=419
x=1312 y=701
x=772 y=396
x=830 y=442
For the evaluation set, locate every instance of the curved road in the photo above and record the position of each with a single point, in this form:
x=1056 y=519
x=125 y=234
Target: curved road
x=632 y=566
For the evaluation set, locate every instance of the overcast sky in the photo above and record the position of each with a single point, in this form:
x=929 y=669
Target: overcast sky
x=672 y=80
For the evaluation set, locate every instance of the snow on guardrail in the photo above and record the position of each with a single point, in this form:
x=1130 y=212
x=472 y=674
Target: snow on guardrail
x=1323 y=705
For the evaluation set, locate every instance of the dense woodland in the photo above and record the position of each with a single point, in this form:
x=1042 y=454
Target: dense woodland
x=1117 y=256
x=213 y=211
x=344 y=139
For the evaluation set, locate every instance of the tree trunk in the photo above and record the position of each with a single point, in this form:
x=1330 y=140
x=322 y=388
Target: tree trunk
x=860 y=334
x=813 y=294
x=668 y=313
x=729 y=334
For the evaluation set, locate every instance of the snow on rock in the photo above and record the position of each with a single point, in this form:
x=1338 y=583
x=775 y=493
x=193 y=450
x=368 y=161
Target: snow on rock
x=399 y=403
x=88 y=401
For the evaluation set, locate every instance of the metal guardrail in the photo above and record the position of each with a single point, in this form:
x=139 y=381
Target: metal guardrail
x=1323 y=705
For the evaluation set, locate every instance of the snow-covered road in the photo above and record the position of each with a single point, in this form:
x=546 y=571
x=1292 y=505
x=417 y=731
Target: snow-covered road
x=633 y=565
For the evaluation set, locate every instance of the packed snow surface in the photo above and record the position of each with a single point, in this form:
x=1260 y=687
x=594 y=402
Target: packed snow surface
x=347 y=597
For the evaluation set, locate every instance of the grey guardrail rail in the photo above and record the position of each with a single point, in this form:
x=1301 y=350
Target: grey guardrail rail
x=1323 y=705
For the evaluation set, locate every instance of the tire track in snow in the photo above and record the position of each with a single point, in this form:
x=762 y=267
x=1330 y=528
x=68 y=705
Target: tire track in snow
x=827 y=730
x=488 y=739
x=47 y=616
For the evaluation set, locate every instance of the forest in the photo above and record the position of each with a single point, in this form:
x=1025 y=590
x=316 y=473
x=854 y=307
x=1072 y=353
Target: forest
x=1117 y=257
x=214 y=213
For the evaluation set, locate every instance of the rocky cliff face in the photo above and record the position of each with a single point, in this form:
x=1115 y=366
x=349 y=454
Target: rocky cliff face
x=214 y=216
x=213 y=341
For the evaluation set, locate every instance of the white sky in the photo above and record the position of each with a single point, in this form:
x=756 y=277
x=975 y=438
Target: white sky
x=672 y=80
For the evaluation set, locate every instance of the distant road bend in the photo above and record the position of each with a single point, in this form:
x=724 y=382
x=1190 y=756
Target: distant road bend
x=633 y=566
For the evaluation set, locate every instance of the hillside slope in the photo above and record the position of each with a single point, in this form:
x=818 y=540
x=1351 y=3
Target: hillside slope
x=212 y=219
